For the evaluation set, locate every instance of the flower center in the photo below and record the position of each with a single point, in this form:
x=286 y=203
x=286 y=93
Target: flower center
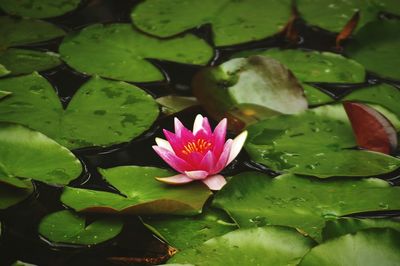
x=199 y=145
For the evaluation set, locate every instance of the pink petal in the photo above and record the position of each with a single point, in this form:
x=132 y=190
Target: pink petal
x=207 y=163
x=223 y=159
x=194 y=159
x=198 y=123
x=175 y=179
x=164 y=144
x=182 y=132
x=219 y=136
x=237 y=145
x=197 y=175
x=174 y=141
x=206 y=126
x=215 y=182
x=170 y=158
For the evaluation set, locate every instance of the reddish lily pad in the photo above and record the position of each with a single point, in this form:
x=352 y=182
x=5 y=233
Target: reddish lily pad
x=372 y=130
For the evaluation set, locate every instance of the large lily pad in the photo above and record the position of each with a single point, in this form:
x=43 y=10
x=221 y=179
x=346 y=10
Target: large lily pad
x=70 y=228
x=121 y=52
x=376 y=47
x=189 y=232
x=343 y=226
x=271 y=245
x=21 y=61
x=10 y=195
x=4 y=94
x=38 y=8
x=25 y=154
x=255 y=199
x=15 y=31
x=333 y=15
x=314 y=66
x=232 y=22
x=317 y=142
x=101 y=113
x=140 y=193
x=365 y=248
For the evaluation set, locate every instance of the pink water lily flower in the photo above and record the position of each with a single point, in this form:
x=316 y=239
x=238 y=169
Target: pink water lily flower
x=199 y=154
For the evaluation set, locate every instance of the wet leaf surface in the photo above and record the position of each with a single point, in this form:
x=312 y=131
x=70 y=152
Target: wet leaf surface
x=121 y=52
x=101 y=113
x=343 y=226
x=173 y=104
x=358 y=249
x=232 y=22
x=140 y=194
x=70 y=228
x=21 y=61
x=271 y=245
x=380 y=53
x=189 y=232
x=253 y=199
x=38 y=8
x=318 y=142
x=27 y=154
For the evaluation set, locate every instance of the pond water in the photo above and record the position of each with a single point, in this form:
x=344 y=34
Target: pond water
x=136 y=245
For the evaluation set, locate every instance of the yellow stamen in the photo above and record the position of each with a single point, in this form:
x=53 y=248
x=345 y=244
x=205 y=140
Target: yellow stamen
x=199 y=145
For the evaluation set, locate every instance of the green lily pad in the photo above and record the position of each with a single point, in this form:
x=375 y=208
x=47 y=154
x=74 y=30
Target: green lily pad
x=271 y=245
x=10 y=195
x=101 y=113
x=70 y=228
x=375 y=46
x=255 y=199
x=314 y=66
x=4 y=71
x=140 y=193
x=315 y=96
x=15 y=31
x=4 y=94
x=333 y=15
x=368 y=247
x=38 y=8
x=343 y=226
x=189 y=232
x=25 y=153
x=21 y=61
x=121 y=52
x=317 y=142
x=171 y=104
x=232 y=22
x=384 y=95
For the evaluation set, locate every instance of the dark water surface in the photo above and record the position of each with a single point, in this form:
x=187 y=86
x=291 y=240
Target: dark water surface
x=19 y=239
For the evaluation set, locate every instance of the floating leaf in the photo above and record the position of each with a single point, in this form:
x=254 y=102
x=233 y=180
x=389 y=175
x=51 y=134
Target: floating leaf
x=189 y=232
x=232 y=22
x=3 y=70
x=70 y=228
x=101 y=113
x=256 y=80
x=372 y=130
x=10 y=195
x=378 y=54
x=38 y=8
x=255 y=199
x=4 y=94
x=367 y=247
x=314 y=66
x=333 y=15
x=343 y=226
x=317 y=142
x=21 y=61
x=25 y=153
x=271 y=245
x=15 y=31
x=121 y=52
x=173 y=104
x=140 y=193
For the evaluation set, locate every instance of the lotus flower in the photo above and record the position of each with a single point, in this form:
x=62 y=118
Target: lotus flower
x=198 y=155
